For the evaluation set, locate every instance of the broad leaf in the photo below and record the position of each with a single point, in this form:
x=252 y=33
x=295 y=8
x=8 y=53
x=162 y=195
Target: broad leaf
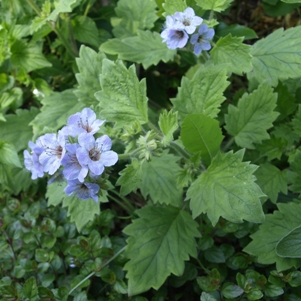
x=290 y=245
x=168 y=123
x=272 y=148
x=89 y=64
x=216 y=5
x=172 y=6
x=271 y=180
x=232 y=50
x=227 y=189
x=277 y=57
x=161 y=239
x=236 y=30
x=203 y=94
x=275 y=227
x=123 y=98
x=146 y=48
x=201 y=133
x=55 y=112
x=8 y=154
x=251 y=118
x=62 y=6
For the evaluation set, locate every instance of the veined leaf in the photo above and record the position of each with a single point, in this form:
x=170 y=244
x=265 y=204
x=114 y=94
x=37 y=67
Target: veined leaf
x=123 y=98
x=172 y=6
x=290 y=245
x=8 y=154
x=89 y=64
x=277 y=57
x=275 y=227
x=145 y=48
x=251 y=118
x=216 y=5
x=227 y=189
x=201 y=133
x=159 y=243
x=232 y=50
x=168 y=123
x=203 y=94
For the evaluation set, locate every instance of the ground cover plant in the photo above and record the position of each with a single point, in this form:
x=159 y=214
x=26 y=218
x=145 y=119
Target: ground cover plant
x=150 y=150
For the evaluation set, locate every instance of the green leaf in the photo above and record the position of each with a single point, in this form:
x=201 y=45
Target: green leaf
x=290 y=244
x=251 y=118
x=271 y=180
x=134 y=15
x=277 y=57
x=123 y=98
x=8 y=154
x=296 y=121
x=168 y=123
x=236 y=30
x=62 y=6
x=55 y=194
x=30 y=289
x=11 y=99
x=203 y=94
x=145 y=48
x=85 y=30
x=16 y=129
x=57 y=107
x=160 y=240
x=216 y=5
x=201 y=133
x=89 y=64
x=172 y=6
x=207 y=297
x=274 y=228
x=272 y=148
x=28 y=56
x=272 y=290
x=227 y=189
x=291 y=1
x=230 y=290
x=232 y=50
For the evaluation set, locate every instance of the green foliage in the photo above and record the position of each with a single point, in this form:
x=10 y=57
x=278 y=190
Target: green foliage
x=216 y=5
x=172 y=6
x=289 y=245
x=154 y=246
x=168 y=123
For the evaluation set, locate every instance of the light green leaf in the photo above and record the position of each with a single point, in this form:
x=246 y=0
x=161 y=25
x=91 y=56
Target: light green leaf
x=123 y=98
x=161 y=239
x=274 y=228
x=232 y=50
x=172 y=6
x=290 y=245
x=201 y=133
x=134 y=15
x=216 y=5
x=89 y=65
x=85 y=30
x=40 y=20
x=21 y=180
x=8 y=154
x=57 y=107
x=271 y=180
x=55 y=193
x=146 y=48
x=203 y=94
x=227 y=189
x=168 y=123
x=62 y=6
x=251 y=118
x=11 y=98
x=277 y=57
x=16 y=129
x=28 y=56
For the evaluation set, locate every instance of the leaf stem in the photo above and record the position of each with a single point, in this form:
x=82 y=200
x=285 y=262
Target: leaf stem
x=182 y=152
x=101 y=267
x=34 y=7
x=133 y=209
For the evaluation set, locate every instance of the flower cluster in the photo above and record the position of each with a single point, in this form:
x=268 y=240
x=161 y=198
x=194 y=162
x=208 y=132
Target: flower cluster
x=77 y=151
x=180 y=25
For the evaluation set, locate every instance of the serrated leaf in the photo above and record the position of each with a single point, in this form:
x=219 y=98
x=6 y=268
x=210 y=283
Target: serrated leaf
x=271 y=180
x=8 y=154
x=145 y=48
x=290 y=244
x=201 y=133
x=168 y=123
x=161 y=239
x=275 y=227
x=28 y=56
x=18 y=135
x=232 y=50
x=89 y=64
x=251 y=118
x=227 y=189
x=216 y=5
x=123 y=98
x=277 y=57
x=62 y=6
x=203 y=94
x=40 y=20
x=57 y=107
x=134 y=15
x=172 y=6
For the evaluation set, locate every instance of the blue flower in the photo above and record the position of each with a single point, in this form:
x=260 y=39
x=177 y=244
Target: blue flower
x=95 y=154
x=201 y=40
x=187 y=20
x=84 y=191
x=83 y=122
x=32 y=164
x=73 y=169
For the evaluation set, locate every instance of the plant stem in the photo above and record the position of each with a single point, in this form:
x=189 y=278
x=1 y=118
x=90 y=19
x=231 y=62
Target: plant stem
x=133 y=209
x=34 y=7
x=153 y=127
x=101 y=267
x=182 y=152
x=228 y=144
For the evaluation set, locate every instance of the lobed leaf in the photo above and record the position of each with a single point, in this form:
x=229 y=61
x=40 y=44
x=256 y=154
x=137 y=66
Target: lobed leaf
x=216 y=5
